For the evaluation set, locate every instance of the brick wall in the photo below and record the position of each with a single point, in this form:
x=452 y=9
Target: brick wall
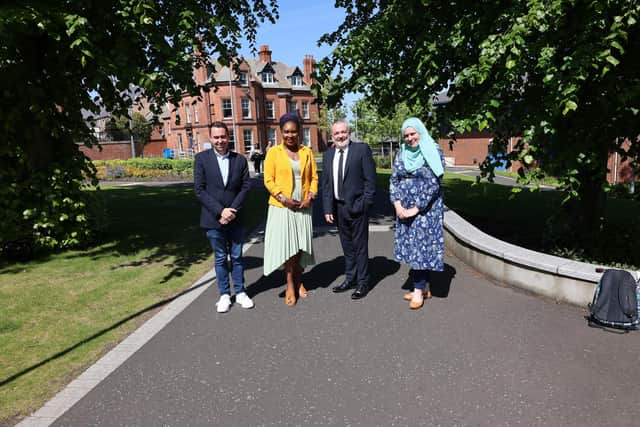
x=110 y=150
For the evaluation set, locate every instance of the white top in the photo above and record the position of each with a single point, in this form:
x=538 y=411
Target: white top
x=336 y=160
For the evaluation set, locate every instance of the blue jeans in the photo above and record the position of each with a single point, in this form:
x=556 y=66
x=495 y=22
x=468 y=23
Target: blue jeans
x=227 y=243
x=420 y=279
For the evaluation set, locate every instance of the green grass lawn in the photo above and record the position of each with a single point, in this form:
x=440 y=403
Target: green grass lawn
x=61 y=312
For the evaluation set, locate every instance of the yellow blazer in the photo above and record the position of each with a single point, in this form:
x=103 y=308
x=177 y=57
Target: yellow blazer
x=278 y=174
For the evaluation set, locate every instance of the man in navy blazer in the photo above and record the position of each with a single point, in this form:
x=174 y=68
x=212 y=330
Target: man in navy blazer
x=221 y=181
x=348 y=188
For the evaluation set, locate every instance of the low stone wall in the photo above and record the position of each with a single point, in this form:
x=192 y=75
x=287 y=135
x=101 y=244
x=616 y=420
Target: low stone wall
x=554 y=277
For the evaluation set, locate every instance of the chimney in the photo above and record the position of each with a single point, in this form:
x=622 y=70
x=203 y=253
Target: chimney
x=265 y=54
x=307 y=65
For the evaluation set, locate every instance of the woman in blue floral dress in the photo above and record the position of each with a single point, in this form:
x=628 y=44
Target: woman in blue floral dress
x=417 y=197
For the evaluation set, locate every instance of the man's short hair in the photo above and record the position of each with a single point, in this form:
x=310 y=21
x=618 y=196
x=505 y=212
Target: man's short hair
x=340 y=121
x=220 y=125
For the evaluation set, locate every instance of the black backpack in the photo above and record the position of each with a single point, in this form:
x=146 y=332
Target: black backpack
x=616 y=302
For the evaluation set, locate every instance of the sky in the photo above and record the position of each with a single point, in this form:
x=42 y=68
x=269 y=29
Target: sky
x=296 y=33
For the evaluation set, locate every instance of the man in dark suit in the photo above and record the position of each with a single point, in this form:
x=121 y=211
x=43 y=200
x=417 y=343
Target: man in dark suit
x=348 y=187
x=221 y=180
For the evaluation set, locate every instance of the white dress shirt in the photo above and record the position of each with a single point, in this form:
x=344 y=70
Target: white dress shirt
x=336 y=160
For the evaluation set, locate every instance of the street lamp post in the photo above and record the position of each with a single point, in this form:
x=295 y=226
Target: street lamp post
x=133 y=147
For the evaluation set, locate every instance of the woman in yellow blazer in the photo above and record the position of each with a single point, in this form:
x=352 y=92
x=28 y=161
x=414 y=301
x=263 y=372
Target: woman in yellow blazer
x=291 y=177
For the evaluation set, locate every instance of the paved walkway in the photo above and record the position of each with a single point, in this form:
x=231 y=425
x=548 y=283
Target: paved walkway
x=478 y=354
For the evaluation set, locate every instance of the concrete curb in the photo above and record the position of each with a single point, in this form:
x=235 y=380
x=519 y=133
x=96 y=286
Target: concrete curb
x=554 y=277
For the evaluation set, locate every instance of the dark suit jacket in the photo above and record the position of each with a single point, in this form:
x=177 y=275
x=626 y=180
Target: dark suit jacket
x=359 y=179
x=211 y=191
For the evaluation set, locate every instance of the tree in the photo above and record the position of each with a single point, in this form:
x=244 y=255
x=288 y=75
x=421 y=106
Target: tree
x=374 y=127
x=563 y=74
x=139 y=127
x=328 y=115
x=59 y=57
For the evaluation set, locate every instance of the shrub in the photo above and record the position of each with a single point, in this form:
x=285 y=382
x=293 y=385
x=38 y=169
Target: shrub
x=382 y=162
x=143 y=168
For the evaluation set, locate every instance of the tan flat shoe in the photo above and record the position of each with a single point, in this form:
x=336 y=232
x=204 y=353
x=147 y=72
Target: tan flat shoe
x=413 y=305
x=409 y=295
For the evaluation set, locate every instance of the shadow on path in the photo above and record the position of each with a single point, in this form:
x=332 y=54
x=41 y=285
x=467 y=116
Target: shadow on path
x=440 y=283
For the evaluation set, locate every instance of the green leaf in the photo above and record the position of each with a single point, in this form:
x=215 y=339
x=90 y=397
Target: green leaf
x=617 y=46
x=612 y=60
x=569 y=106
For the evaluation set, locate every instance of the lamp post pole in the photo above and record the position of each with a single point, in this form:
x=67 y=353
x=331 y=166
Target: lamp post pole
x=233 y=111
x=133 y=147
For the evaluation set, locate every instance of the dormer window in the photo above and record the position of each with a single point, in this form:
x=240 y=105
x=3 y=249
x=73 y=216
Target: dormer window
x=267 y=77
x=242 y=77
x=296 y=80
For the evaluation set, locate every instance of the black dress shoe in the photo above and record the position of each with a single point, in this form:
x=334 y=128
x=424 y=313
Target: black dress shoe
x=345 y=286
x=360 y=292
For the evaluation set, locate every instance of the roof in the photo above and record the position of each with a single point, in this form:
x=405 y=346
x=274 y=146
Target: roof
x=282 y=73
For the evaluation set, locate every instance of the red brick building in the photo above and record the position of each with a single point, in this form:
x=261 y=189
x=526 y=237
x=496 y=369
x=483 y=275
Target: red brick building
x=250 y=101
x=471 y=148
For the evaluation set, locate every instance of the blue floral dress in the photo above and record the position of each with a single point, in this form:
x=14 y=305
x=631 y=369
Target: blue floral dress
x=419 y=240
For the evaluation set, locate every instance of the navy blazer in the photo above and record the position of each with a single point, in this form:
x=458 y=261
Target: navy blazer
x=214 y=196
x=359 y=179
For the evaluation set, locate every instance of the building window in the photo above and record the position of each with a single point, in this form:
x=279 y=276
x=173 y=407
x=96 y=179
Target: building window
x=187 y=113
x=269 y=107
x=198 y=139
x=232 y=140
x=271 y=136
x=195 y=113
x=243 y=78
x=292 y=107
x=296 y=80
x=227 y=111
x=246 y=108
x=267 y=77
x=247 y=136
x=180 y=148
x=306 y=137
x=305 y=110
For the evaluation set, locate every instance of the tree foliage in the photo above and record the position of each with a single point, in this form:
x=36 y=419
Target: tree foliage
x=121 y=127
x=563 y=74
x=374 y=127
x=59 y=57
x=328 y=115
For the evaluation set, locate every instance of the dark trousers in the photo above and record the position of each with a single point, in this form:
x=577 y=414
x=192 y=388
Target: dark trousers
x=354 y=238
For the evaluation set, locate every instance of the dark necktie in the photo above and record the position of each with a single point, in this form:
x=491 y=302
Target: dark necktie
x=340 y=174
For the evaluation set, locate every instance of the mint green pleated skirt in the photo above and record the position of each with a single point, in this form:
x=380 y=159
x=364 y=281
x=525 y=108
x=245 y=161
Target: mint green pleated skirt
x=287 y=233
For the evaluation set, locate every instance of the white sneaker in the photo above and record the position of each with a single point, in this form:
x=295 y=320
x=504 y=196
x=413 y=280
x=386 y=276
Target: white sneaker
x=223 y=304
x=244 y=300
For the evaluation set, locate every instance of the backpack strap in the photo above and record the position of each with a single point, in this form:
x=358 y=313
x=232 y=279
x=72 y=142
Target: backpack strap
x=593 y=323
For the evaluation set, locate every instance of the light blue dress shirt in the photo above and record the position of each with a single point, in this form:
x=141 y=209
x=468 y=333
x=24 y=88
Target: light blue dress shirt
x=223 y=163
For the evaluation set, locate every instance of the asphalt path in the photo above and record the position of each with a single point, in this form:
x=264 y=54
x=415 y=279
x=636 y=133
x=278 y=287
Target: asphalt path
x=477 y=354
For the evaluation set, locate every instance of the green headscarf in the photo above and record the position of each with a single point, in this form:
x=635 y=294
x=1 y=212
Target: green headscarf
x=427 y=150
